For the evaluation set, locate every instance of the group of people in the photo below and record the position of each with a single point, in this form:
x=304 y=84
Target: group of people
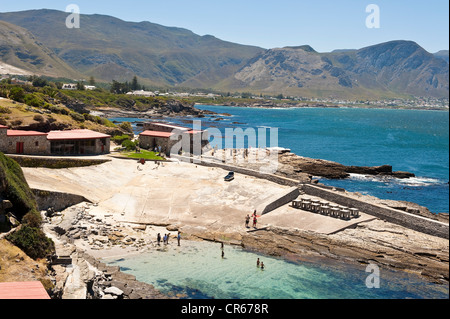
x=260 y=264
x=248 y=218
x=166 y=239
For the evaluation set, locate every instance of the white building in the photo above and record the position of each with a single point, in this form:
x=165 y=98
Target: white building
x=69 y=86
x=142 y=93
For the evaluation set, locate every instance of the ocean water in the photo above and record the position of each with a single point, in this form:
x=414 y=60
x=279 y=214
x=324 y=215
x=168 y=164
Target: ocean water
x=409 y=140
x=196 y=270
x=416 y=141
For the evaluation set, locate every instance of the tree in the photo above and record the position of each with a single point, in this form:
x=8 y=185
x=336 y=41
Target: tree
x=120 y=88
x=135 y=84
x=80 y=86
x=17 y=94
x=39 y=82
x=92 y=81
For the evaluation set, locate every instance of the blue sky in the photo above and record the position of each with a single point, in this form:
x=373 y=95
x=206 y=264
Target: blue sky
x=324 y=24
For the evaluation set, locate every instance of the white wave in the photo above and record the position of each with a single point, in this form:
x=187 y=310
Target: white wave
x=419 y=181
x=412 y=181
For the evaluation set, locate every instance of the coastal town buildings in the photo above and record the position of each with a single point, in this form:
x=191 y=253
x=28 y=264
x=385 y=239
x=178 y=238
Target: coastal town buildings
x=73 y=142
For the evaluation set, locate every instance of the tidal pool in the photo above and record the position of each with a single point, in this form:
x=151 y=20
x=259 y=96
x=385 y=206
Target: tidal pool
x=196 y=270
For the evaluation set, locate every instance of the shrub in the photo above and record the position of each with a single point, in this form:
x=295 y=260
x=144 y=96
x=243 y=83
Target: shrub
x=119 y=139
x=34 y=100
x=108 y=123
x=77 y=117
x=38 y=118
x=17 y=122
x=33 y=242
x=129 y=145
x=89 y=117
x=17 y=94
x=16 y=187
x=5 y=110
x=126 y=126
x=57 y=110
x=32 y=219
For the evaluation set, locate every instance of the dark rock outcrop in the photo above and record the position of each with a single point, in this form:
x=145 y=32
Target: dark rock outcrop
x=333 y=170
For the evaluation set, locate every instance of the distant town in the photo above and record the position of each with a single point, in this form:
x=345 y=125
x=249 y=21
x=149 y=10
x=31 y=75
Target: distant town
x=202 y=95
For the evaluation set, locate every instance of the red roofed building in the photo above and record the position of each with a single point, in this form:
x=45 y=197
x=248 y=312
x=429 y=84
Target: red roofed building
x=78 y=142
x=74 y=142
x=22 y=142
x=164 y=136
x=23 y=290
x=156 y=139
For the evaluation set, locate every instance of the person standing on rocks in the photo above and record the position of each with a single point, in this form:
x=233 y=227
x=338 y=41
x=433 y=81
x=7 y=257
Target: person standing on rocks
x=255 y=221
x=247 y=221
x=158 y=239
x=179 y=238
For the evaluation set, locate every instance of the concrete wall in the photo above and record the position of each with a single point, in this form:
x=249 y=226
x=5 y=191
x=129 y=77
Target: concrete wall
x=270 y=177
x=411 y=221
x=57 y=201
x=278 y=200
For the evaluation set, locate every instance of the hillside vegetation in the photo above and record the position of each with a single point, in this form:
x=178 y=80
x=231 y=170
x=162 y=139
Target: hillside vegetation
x=29 y=236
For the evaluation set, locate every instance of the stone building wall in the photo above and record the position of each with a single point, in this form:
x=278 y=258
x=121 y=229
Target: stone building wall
x=150 y=142
x=32 y=145
x=102 y=146
x=3 y=138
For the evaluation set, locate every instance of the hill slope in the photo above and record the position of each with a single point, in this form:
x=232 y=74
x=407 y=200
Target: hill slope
x=20 y=49
x=443 y=54
x=109 y=48
x=389 y=69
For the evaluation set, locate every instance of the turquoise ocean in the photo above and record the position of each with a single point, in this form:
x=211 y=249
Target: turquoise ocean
x=410 y=140
x=415 y=141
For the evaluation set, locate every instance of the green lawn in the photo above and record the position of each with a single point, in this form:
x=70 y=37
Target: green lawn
x=143 y=154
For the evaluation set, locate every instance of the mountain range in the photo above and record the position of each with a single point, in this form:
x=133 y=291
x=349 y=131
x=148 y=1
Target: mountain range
x=112 y=49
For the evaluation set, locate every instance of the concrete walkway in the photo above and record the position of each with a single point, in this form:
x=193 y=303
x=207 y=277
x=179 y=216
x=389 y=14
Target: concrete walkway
x=179 y=193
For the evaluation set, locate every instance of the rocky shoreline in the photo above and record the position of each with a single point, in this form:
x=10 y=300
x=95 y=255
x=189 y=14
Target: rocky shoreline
x=77 y=273
x=85 y=239
x=333 y=170
x=172 y=109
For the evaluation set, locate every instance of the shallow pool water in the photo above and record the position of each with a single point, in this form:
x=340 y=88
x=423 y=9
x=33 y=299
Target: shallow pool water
x=196 y=270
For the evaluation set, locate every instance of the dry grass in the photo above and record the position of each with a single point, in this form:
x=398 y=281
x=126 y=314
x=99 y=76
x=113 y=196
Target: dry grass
x=21 y=112
x=15 y=266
